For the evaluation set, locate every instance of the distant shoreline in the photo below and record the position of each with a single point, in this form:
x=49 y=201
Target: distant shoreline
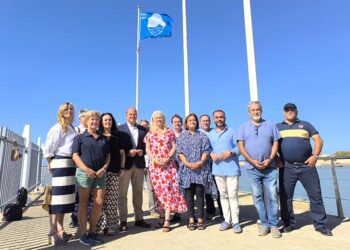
x=321 y=163
x=326 y=163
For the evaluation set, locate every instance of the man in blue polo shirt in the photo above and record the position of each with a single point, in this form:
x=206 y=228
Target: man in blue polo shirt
x=299 y=161
x=258 y=143
x=224 y=153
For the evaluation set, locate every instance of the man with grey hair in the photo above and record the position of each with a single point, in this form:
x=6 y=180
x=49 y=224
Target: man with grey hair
x=258 y=142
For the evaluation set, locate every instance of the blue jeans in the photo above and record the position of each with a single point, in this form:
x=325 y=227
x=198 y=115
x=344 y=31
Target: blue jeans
x=308 y=176
x=260 y=180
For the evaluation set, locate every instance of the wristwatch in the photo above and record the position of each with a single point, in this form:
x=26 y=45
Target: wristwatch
x=315 y=155
x=232 y=153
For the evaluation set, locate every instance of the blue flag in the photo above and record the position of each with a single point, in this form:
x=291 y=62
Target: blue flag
x=154 y=25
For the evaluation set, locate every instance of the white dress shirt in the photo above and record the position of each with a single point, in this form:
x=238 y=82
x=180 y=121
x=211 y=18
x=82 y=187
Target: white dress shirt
x=58 y=142
x=134 y=132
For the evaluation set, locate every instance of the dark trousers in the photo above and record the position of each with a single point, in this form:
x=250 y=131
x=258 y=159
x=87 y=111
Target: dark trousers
x=209 y=201
x=210 y=207
x=198 y=190
x=74 y=215
x=308 y=176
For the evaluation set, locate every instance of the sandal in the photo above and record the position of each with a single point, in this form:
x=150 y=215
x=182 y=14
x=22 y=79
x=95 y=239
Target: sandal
x=200 y=226
x=191 y=226
x=65 y=236
x=160 y=224
x=166 y=228
x=49 y=239
x=56 y=240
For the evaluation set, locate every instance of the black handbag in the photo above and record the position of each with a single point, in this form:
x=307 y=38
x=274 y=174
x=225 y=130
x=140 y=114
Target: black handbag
x=22 y=196
x=12 y=212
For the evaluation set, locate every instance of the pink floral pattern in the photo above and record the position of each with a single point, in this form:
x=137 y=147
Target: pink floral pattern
x=164 y=178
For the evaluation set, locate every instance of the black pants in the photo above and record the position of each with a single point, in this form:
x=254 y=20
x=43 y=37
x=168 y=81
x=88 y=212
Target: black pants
x=198 y=190
x=308 y=176
x=210 y=207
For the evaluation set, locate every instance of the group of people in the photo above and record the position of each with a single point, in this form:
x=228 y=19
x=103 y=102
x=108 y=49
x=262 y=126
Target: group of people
x=95 y=162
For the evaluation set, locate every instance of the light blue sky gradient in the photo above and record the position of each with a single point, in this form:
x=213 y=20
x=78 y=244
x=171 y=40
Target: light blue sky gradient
x=84 y=52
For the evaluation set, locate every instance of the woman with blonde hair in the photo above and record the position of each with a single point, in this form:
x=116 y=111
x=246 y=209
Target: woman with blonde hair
x=160 y=148
x=58 y=152
x=91 y=153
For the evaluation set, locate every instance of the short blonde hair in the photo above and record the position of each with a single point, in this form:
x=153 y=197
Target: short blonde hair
x=89 y=114
x=152 y=126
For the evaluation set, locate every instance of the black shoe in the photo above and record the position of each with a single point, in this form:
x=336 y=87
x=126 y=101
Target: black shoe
x=209 y=216
x=123 y=226
x=288 y=229
x=73 y=224
x=324 y=231
x=176 y=217
x=142 y=223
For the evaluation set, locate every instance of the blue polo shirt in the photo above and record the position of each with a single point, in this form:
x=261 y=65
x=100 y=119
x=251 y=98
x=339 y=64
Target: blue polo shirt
x=93 y=152
x=258 y=140
x=295 y=144
x=224 y=141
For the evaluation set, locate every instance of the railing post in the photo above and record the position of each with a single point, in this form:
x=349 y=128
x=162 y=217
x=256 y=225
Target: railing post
x=336 y=190
x=26 y=157
x=2 y=158
x=38 y=169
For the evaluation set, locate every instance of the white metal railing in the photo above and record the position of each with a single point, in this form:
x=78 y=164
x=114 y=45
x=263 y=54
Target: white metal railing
x=25 y=172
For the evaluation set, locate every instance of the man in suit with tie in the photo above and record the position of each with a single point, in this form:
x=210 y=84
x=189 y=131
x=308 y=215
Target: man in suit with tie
x=133 y=135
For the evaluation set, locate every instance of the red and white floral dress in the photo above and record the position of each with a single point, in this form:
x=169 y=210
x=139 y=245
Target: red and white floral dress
x=164 y=178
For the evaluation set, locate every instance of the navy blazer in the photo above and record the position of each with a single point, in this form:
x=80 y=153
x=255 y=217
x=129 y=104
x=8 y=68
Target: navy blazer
x=128 y=142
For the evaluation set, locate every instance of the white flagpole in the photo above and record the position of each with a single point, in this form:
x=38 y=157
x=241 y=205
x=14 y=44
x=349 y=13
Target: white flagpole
x=186 y=83
x=137 y=58
x=253 y=85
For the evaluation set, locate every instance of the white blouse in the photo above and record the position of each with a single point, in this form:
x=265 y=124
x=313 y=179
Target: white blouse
x=58 y=142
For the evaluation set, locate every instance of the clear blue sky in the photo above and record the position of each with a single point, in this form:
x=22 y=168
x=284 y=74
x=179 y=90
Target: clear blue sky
x=84 y=52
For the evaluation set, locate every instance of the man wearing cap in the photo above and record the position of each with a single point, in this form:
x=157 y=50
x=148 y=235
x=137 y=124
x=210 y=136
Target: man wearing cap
x=297 y=161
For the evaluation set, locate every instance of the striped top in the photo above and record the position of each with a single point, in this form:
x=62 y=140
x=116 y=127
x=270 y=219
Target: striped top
x=295 y=143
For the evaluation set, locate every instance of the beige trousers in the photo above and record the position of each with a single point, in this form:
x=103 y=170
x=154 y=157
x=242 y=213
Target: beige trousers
x=136 y=176
x=228 y=188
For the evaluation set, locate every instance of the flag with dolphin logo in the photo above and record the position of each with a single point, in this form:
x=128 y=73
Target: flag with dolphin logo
x=154 y=25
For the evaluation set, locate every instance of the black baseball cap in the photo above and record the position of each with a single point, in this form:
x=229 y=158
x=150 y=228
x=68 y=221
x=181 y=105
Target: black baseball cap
x=290 y=106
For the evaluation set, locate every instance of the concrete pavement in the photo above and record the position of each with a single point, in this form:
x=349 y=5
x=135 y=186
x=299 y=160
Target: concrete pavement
x=30 y=233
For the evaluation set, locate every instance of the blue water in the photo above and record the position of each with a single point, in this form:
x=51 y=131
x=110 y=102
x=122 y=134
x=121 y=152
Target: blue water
x=325 y=173
x=327 y=186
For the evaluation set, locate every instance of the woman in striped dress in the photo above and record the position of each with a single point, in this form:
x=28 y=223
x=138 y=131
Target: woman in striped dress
x=58 y=152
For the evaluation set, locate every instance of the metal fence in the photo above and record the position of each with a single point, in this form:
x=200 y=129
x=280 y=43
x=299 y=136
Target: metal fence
x=35 y=168
x=25 y=172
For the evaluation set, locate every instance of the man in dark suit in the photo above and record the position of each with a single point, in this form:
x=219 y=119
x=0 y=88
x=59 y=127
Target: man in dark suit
x=133 y=135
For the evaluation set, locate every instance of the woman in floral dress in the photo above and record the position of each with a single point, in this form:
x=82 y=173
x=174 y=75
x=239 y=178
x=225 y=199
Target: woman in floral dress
x=195 y=177
x=160 y=148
